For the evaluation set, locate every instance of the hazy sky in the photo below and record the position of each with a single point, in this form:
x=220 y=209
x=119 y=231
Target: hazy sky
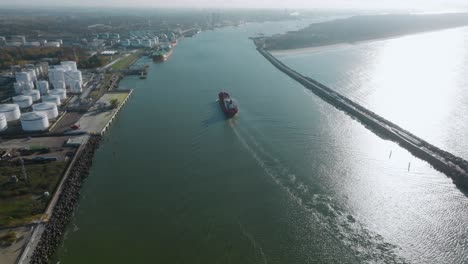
x=367 y=4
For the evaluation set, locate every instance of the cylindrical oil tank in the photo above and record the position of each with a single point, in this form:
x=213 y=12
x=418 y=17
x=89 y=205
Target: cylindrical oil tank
x=23 y=77
x=34 y=121
x=28 y=86
x=43 y=87
x=76 y=86
x=51 y=99
x=70 y=64
x=24 y=101
x=32 y=73
x=11 y=111
x=18 y=87
x=56 y=75
x=3 y=122
x=62 y=93
x=35 y=95
x=50 y=109
x=59 y=85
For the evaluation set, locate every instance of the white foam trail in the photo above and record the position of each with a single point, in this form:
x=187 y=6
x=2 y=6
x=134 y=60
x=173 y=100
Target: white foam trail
x=328 y=214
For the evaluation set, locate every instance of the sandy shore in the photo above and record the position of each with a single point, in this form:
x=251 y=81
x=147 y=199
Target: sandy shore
x=324 y=48
x=310 y=49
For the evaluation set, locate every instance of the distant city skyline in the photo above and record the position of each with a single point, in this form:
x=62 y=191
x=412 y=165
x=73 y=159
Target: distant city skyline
x=434 y=5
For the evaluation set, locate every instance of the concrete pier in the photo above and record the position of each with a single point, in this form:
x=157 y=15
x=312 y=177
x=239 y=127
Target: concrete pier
x=453 y=166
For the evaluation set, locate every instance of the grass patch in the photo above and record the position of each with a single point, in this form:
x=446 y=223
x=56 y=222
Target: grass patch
x=120 y=97
x=22 y=201
x=8 y=239
x=125 y=62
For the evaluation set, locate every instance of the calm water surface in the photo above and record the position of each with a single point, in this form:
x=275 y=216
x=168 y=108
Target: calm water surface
x=289 y=180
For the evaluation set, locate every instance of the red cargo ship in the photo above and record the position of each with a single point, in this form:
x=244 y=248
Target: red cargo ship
x=228 y=106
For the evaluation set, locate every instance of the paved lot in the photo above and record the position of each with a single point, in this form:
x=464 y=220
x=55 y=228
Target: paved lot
x=54 y=143
x=96 y=119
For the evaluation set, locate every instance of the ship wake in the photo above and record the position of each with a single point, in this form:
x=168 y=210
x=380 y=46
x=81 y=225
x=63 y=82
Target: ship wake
x=345 y=228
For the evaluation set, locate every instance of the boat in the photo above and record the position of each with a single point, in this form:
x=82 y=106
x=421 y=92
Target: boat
x=228 y=106
x=162 y=55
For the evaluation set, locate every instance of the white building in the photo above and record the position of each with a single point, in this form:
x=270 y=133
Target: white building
x=125 y=43
x=52 y=44
x=19 y=39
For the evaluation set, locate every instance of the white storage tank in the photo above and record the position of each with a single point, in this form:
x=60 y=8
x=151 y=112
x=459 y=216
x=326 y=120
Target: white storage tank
x=59 y=85
x=11 y=111
x=23 y=77
x=62 y=93
x=56 y=75
x=51 y=99
x=70 y=64
x=34 y=121
x=50 y=109
x=18 y=87
x=76 y=86
x=43 y=87
x=3 y=122
x=23 y=101
x=28 y=86
x=35 y=94
x=32 y=73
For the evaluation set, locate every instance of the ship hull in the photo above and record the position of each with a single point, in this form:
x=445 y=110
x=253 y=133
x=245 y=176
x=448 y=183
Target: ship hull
x=229 y=113
x=162 y=57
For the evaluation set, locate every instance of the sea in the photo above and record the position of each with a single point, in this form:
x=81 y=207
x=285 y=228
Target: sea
x=290 y=179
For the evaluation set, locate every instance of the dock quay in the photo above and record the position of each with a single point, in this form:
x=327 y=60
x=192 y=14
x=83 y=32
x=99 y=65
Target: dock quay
x=99 y=117
x=443 y=161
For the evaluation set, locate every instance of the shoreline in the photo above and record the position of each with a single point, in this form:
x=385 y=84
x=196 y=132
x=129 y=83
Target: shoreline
x=452 y=166
x=62 y=214
x=49 y=233
x=329 y=47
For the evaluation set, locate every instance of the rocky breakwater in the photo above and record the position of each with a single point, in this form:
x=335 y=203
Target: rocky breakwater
x=453 y=166
x=61 y=216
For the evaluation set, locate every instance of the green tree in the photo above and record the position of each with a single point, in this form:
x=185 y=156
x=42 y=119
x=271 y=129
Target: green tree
x=114 y=103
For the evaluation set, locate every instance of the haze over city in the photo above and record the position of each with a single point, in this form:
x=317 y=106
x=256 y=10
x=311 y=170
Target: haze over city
x=216 y=131
x=434 y=5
